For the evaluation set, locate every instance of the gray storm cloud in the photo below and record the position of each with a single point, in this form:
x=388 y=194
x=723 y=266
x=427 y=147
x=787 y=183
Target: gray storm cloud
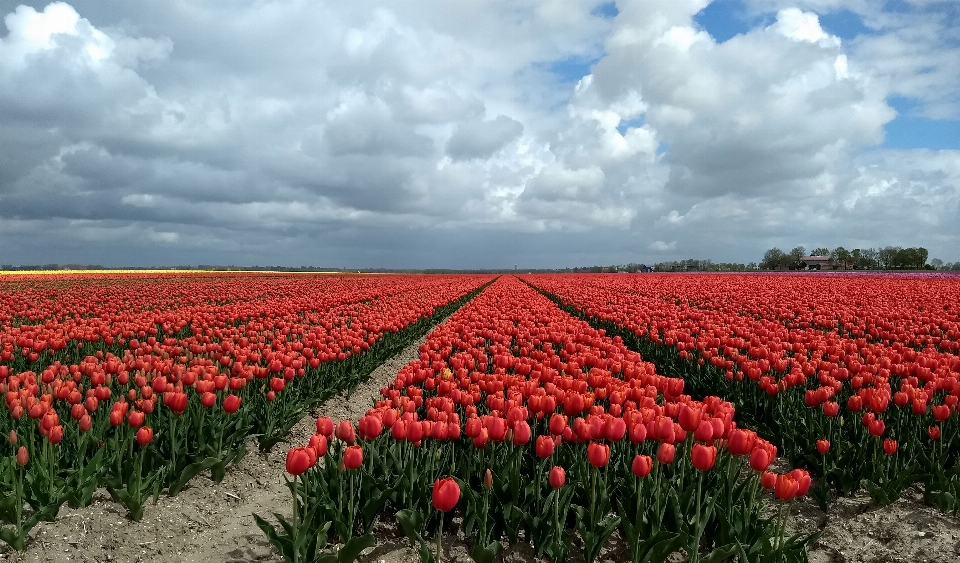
x=445 y=135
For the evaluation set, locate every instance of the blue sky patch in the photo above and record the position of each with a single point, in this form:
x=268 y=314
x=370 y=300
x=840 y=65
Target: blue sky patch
x=626 y=124
x=608 y=10
x=910 y=130
x=571 y=69
x=724 y=19
x=844 y=24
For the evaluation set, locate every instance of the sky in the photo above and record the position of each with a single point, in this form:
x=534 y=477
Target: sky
x=467 y=134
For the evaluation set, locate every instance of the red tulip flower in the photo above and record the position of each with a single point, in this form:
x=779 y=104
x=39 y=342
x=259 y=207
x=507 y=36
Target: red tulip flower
x=144 y=435
x=231 y=403
x=786 y=488
x=890 y=446
x=934 y=432
x=768 y=480
x=598 y=454
x=521 y=433
x=666 y=453
x=299 y=460
x=557 y=477
x=446 y=494
x=703 y=457
x=353 y=457
x=319 y=443
x=22 y=456
x=823 y=446
x=642 y=465
x=345 y=432
x=325 y=426
x=544 y=446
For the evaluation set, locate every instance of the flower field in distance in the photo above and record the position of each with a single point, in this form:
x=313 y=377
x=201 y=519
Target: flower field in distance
x=561 y=411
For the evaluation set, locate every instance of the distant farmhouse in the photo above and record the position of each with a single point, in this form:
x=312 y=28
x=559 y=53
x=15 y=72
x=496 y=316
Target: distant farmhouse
x=818 y=263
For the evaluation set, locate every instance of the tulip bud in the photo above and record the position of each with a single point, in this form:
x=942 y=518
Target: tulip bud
x=557 y=477
x=13 y=437
x=823 y=446
x=22 y=456
x=487 y=479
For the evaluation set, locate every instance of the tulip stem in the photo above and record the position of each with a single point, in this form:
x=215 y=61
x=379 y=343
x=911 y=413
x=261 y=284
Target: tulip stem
x=439 y=538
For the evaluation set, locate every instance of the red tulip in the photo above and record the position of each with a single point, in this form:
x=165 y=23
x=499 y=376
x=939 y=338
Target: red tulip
x=345 y=432
x=638 y=433
x=760 y=459
x=787 y=487
x=740 y=442
x=642 y=465
x=768 y=480
x=13 y=437
x=319 y=443
x=521 y=433
x=689 y=418
x=208 y=399
x=231 y=403
x=703 y=457
x=598 y=454
x=299 y=460
x=446 y=494
x=666 y=453
x=22 y=456
x=144 y=435
x=704 y=432
x=831 y=409
x=557 y=477
x=615 y=429
x=934 y=432
x=823 y=446
x=352 y=457
x=325 y=426
x=890 y=446
x=544 y=446
x=488 y=479
x=557 y=424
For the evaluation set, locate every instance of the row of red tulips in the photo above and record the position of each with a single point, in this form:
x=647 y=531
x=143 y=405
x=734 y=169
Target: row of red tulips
x=856 y=378
x=528 y=422
x=142 y=401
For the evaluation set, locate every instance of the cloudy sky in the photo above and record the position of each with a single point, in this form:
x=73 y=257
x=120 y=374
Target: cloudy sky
x=475 y=134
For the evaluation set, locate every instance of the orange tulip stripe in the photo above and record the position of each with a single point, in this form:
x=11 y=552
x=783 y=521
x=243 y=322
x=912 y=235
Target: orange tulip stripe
x=856 y=378
x=138 y=383
x=528 y=421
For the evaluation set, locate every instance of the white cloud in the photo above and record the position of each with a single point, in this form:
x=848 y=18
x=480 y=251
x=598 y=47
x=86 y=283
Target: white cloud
x=660 y=246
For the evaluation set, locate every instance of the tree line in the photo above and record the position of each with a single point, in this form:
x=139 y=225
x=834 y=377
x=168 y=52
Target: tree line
x=886 y=258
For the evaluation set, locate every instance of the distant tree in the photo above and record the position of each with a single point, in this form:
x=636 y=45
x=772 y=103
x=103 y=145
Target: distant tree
x=772 y=259
x=793 y=258
x=821 y=251
x=921 y=255
x=937 y=264
x=886 y=257
x=871 y=258
x=841 y=256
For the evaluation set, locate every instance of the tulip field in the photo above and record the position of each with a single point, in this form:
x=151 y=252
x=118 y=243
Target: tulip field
x=671 y=416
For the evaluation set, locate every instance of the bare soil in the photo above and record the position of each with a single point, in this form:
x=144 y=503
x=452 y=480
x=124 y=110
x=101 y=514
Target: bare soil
x=213 y=523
